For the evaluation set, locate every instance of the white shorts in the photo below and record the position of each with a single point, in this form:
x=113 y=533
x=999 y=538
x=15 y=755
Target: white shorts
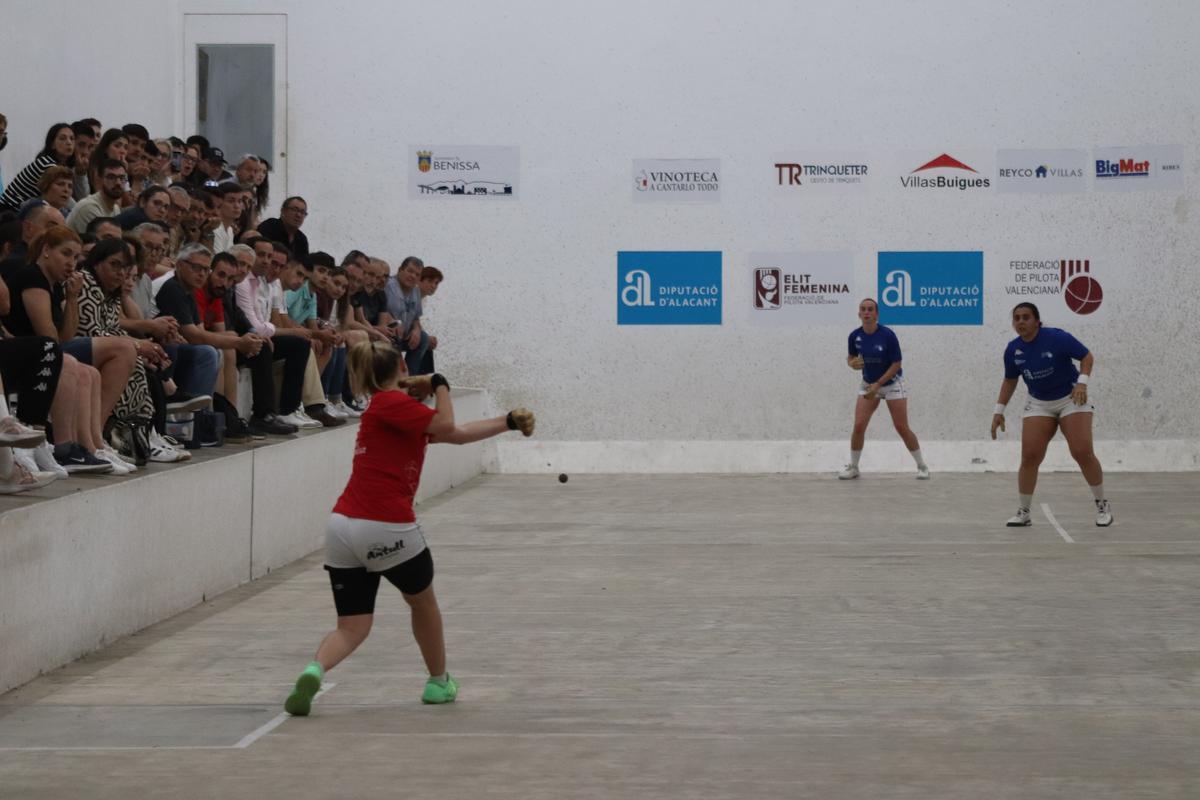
x=1057 y=409
x=378 y=546
x=896 y=390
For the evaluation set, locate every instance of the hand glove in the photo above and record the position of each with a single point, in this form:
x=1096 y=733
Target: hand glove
x=520 y=419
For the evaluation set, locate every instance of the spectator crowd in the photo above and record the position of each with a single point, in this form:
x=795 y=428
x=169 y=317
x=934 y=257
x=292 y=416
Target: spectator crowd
x=138 y=277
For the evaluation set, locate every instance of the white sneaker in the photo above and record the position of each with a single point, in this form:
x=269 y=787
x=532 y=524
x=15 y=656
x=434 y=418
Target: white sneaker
x=14 y=434
x=300 y=420
x=1104 y=515
x=1020 y=519
x=119 y=467
x=21 y=479
x=126 y=461
x=43 y=459
x=165 y=450
x=331 y=408
x=922 y=473
x=346 y=411
x=849 y=472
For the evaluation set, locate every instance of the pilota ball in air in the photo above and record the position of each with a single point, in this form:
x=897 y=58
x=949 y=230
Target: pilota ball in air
x=562 y=477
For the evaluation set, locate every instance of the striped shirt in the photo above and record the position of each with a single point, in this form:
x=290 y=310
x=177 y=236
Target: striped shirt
x=24 y=186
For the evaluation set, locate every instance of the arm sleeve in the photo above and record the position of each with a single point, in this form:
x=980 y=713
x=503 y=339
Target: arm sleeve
x=1074 y=347
x=894 y=347
x=245 y=301
x=1011 y=370
x=851 y=350
x=172 y=302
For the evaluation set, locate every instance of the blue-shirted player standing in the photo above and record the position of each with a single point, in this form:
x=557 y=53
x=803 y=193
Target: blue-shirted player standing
x=875 y=350
x=1058 y=398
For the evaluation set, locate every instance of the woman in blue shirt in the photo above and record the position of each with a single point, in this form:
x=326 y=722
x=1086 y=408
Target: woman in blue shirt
x=875 y=350
x=1058 y=398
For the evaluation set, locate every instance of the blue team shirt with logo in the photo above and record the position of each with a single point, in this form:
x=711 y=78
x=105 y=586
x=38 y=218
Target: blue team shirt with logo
x=879 y=350
x=1047 y=363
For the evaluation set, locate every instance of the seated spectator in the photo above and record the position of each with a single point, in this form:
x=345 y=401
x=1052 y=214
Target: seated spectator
x=243 y=347
x=404 y=304
x=152 y=205
x=286 y=227
x=103 y=273
x=197 y=363
x=105 y=202
x=229 y=210
x=138 y=136
x=200 y=221
x=160 y=164
x=45 y=302
x=188 y=159
x=371 y=305
x=260 y=297
x=104 y=228
x=10 y=237
x=431 y=278
x=57 y=151
x=262 y=186
x=35 y=220
x=113 y=146
x=32 y=365
x=85 y=142
x=138 y=166
x=356 y=265
x=151 y=263
x=56 y=187
x=339 y=318
x=212 y=166
x=181 y=204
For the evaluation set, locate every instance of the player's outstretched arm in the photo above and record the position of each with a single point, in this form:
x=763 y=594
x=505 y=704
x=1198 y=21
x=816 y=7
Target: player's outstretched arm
x=520 y=419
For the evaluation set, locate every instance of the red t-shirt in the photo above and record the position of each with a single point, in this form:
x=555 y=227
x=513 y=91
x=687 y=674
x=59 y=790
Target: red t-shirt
x=212 y=309
x=388 y=456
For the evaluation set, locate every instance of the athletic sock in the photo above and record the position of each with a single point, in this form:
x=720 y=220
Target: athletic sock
x=315 y=667
x=1026 y=501
x=855 y=455
x=1097 y=491
x=916 y=454
x=439 y=679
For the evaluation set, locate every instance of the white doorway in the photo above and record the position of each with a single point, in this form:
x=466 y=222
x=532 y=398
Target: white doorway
x=235 y=87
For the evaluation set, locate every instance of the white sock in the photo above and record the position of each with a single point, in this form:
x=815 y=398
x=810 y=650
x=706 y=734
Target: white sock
x=439 y=678
x=1026 y=501
x=916 y=454
x=1097 y=491
x=855 y=455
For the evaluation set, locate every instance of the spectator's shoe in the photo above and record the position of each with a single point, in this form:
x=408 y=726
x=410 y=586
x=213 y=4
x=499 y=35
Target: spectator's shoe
x=14 y=434
x=166 y=450
x=119 y=465
x=848 y=473
x=22 y=480
x=323 y=417
x=437 y=692
x=75 y=460
x=299 y=702
x=298 y=419
x=1104 y=515
x=40 y=459
x=332 y=410
x=345 y=410
x=182 y=402
x=270 y=425
x=1020 y=519
x=236 y=431
x=357 y=405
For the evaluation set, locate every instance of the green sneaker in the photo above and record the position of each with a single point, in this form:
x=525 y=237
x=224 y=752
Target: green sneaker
x=299 y=702
x=437 y=692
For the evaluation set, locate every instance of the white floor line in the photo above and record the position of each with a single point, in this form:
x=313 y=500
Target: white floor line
x=263 y=730
x=1050 y=516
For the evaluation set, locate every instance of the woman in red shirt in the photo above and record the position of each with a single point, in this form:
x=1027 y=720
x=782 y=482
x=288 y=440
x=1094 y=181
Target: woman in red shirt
x=373 y=532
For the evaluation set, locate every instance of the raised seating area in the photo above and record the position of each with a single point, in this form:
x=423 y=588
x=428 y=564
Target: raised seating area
x=88 y=560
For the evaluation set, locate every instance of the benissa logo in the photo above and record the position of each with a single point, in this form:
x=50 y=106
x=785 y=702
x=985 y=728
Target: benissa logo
x=944 y=162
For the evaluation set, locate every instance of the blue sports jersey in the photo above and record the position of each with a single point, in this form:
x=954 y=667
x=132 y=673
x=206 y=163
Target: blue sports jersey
x=879 y=350
x=1046 y=363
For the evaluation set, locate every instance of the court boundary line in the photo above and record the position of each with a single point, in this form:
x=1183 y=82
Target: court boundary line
x=1061 y=531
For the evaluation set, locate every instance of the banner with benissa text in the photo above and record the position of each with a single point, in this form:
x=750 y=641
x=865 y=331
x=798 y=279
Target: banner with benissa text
x=460 y=171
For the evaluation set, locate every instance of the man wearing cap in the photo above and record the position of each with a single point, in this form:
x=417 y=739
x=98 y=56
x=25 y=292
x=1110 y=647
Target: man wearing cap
x=286 y=227
x=212 y=165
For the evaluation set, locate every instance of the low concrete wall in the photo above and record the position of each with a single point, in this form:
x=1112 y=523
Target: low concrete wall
x=78 y=571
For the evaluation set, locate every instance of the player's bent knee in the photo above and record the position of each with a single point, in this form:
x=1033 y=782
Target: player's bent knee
x=357 y=625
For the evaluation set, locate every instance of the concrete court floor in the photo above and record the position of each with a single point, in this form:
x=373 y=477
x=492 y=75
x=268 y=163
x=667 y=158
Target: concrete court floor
x=640 y=636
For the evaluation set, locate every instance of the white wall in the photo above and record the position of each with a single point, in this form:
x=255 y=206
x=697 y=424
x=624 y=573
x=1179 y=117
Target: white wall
x=528 y=308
